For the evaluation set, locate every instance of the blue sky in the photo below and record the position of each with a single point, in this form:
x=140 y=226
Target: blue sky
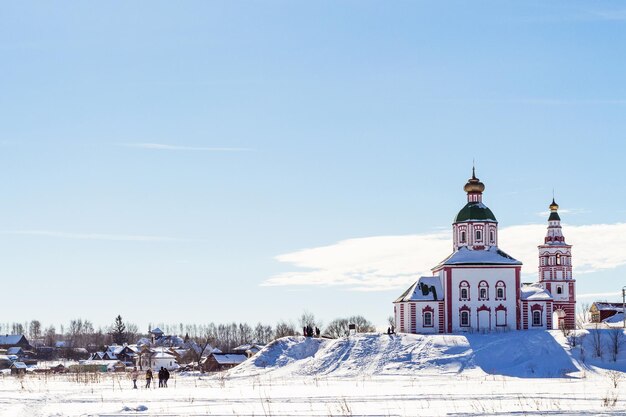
x=158 y=160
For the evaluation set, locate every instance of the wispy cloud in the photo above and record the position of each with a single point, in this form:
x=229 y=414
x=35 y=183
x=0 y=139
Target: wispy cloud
x=381 y=263
x=166 y=147
x=91 y=236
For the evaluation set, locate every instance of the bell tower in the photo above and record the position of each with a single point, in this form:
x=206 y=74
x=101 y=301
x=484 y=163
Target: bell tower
x=555 y=272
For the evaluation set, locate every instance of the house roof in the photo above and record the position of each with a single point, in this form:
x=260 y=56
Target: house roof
x=156 y=330
x=162 y=355
x=229 y=358
x=534 y=292
x=12 y=339
x=424 y=289
x=19 y=365
x=609 y=306
x=491 y=256
x=14 y=350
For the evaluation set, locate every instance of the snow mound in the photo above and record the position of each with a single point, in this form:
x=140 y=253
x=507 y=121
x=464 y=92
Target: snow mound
x=285 y=351
x=515 y=353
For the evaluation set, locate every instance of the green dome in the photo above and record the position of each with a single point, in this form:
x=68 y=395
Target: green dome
x=475 y=211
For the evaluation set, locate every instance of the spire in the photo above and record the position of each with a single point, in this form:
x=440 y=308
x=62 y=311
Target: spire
x=554 y=225
x=474 y=188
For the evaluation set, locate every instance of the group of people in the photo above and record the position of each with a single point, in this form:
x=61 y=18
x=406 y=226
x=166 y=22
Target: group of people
x=309 y=331
x=163 y=375
x=391 y=330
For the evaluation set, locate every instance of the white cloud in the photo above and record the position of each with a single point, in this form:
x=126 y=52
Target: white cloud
x=381 y=263
x=165 y=147
x=90 y=236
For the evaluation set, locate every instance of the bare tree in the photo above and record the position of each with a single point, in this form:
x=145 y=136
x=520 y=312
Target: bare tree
x=50 y=336
x=284 y=329
x=596 y=342
x=582 y=316
x=616 y=340
x=337 y=328
x=363 y=325
x=308 y=319
x=34 y=329
x=17 y=328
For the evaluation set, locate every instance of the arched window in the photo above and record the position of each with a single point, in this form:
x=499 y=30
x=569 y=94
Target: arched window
x=479 y=235
x=428 y=319
x=483 y=290
x=559 y=290
x=500 y=290
x=463 y=237
x=537 y=318
x=465 y=318
x=558 y=259
x=464 y=294
x=492 y=237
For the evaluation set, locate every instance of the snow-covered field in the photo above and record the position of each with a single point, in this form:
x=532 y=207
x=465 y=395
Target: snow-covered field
x=515 y=373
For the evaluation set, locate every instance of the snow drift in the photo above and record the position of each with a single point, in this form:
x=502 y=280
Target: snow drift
x=516 y=353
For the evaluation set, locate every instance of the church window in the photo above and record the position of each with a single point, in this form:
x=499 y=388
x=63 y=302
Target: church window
x=465 y=320
x=464 y=291
x=483 y=290
x=492 y=237
x=463 y=237
x=559 y=290
x=428 y=319
x=558 y=259
x=478 y=235
x=537 y=318
x=500 y=290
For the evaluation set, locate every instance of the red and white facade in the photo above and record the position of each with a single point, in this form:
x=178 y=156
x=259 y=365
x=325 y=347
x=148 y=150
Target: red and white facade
x=478 y=288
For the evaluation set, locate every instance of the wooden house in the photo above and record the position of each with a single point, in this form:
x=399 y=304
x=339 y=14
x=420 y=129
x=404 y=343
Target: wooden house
x=221 y=361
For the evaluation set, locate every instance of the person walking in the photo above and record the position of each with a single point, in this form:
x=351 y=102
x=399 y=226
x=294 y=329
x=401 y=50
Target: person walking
x=161 y=377
x=166 y=376
x=134 y=375
x=148 y=378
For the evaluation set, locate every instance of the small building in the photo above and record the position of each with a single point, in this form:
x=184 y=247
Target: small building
x=221 y=361
x=601 y=310
x=249 y=349
x=13 y=340
x=18 y=368
x=59 y=369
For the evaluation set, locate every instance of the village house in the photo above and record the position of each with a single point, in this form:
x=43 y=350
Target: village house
x=222 y=361
x=600 y=311
x=14 y=340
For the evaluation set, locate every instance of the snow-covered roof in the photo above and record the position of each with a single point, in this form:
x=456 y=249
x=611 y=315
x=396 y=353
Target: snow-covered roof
x=156 y=330
x=616 y=320
x=609 y=306
x=535 y=292
x=11 y=339
x=14 y=350
x=229 y=358
x=491 y=256
x=248 y=346
x=424 y=289
x=19 y=365
x=162 y=355
x=115 y=349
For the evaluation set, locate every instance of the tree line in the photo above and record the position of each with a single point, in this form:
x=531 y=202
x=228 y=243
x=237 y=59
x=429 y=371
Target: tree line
x=81 y=333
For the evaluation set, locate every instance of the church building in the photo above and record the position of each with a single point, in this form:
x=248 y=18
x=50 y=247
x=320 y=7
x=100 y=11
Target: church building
x=478 y=287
